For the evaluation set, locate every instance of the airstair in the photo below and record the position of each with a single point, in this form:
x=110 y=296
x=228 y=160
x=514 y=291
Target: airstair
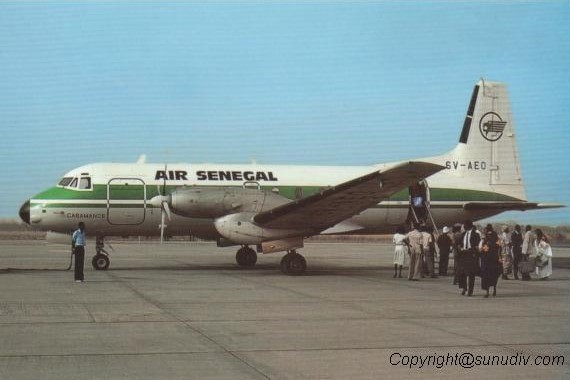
x=425 y=217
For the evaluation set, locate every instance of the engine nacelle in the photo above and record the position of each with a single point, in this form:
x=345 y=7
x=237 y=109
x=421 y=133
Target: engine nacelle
x=240 y=229
x=213 y=202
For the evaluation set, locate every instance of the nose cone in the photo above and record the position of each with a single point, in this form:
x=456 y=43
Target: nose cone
x=25 y=212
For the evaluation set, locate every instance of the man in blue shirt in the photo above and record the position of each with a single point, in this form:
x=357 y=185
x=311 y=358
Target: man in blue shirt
x=78 y=247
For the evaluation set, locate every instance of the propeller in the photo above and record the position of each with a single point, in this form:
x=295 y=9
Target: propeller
x=161 y=200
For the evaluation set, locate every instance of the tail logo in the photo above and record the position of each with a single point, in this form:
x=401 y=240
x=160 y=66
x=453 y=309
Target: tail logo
x=492 y=126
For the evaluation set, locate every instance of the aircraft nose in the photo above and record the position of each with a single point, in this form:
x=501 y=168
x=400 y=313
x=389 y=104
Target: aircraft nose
x=25 y=212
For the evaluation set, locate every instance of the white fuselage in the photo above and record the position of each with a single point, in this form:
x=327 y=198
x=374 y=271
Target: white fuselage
x=117 y=199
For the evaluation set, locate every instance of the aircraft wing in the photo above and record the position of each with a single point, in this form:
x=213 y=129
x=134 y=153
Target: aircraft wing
x=506 y=206
x=333 y=205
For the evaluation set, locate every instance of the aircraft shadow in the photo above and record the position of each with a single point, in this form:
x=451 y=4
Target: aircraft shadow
x=561 y=262
x=259 y=270
x=23 y=270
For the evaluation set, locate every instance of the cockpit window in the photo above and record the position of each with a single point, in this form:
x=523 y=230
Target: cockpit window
x=85 y=183
x=65 y=181
x=82 y=182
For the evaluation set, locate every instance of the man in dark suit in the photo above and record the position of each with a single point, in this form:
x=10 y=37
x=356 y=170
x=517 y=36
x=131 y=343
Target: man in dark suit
x=516 y=241
x=468 y=258
x=444 y=243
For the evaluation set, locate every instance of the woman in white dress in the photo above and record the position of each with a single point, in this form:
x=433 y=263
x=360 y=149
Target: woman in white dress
x=400 y=251
x=543 y=256
x=506 y=256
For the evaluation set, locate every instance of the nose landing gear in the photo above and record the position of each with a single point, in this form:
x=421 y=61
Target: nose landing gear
x=101 y=260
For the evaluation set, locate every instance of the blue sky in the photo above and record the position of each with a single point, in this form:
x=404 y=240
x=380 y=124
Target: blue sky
x=288 y=83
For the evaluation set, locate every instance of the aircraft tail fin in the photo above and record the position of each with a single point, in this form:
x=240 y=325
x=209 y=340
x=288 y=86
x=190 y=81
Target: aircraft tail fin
x=486 y=156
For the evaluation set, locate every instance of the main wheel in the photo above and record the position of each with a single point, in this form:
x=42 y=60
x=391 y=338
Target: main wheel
x=246 y=257
x=100 y=262
x=293 y=264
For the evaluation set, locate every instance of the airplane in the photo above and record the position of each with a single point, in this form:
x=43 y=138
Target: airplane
x=275 y=207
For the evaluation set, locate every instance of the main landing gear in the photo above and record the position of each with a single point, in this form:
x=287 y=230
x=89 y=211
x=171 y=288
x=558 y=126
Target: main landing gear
x=101 y=259
x=293 y=263
x=246 y=257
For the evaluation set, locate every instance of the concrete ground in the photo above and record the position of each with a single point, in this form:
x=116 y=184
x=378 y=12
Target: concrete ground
x=186 y=311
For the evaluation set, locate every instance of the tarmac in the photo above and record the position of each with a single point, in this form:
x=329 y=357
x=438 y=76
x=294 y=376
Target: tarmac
x=187 y=311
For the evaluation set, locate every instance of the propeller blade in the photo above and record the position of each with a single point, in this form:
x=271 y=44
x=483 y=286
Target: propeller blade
x=166 y=209
x=164 y=181
x=162 y=227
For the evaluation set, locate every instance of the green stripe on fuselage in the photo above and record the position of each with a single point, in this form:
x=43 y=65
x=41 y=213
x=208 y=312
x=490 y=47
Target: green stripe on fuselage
x=90 y=205
x=99 y=192
x=55 y=193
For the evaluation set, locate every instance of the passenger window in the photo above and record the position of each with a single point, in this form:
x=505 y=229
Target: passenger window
x=73 y=183
x=85 y=183
x=65 y=181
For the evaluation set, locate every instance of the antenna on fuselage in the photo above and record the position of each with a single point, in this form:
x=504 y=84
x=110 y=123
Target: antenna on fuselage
x=141 y=159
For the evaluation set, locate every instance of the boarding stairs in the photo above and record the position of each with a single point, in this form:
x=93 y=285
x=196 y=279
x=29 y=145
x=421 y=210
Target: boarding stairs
x=426 y=220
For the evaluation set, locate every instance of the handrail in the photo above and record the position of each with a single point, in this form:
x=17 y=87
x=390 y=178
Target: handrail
x=416 y=219
x=435 y=230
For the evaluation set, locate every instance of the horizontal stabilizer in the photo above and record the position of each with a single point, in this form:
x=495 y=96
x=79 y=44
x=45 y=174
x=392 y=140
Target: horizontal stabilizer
x=507 y=206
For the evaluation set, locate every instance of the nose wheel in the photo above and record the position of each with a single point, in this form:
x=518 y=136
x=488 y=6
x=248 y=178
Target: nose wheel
x=101 y=260
x=293 y=264
x=246 y=257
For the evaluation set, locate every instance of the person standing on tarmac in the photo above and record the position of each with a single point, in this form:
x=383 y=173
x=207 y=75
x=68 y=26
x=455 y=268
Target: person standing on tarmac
x=78 y=247
x=429 y=251
x=506 y=257
x=489 y=248
x=401 y=248
x=457 y=238
x=444 y=243
x=516 y=242
x=528 y=248
x=468 y=258
x=414 y=240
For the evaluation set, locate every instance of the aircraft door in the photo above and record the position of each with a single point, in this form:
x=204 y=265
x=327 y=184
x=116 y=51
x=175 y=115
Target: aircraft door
x=126 y=201
x=425 y=189
x=419 y=202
